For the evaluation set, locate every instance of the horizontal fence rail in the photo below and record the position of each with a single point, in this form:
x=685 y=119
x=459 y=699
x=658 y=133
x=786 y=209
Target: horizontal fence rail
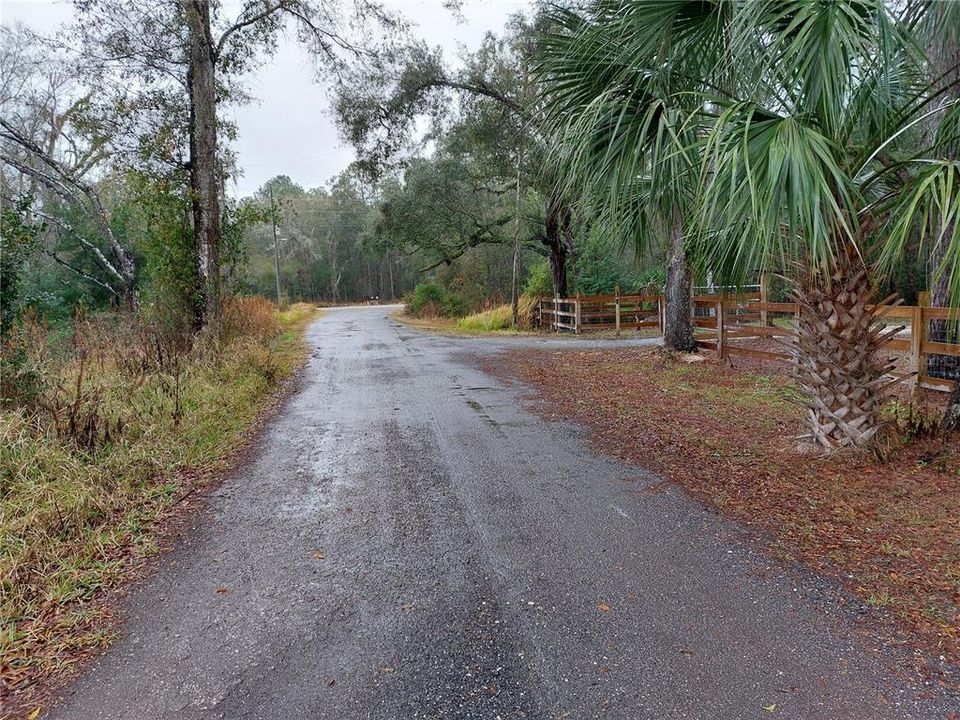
x=723 y=322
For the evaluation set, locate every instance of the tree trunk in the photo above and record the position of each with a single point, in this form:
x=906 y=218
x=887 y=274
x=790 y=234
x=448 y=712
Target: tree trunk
x=556 y=238
x=837 y=362
x=677 y=322
x=201 y=82
x=393 y=292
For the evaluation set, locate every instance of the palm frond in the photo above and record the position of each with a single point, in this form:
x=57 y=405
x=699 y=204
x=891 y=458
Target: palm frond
x=928 y=210
x=772 y=192
x=620 y=102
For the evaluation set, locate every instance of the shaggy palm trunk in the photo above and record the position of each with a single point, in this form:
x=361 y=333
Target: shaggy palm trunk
x=838 y=364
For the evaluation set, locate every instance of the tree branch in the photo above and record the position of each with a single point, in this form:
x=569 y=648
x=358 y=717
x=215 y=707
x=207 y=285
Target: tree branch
x=480 y=88
x=81 y=273
x=242 y=22
x=61 y=182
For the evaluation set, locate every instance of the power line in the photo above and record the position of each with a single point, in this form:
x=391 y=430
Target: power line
x=296 y=160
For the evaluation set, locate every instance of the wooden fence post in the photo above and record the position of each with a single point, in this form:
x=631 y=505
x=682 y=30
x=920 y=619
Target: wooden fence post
x=660 y=311
x=576 y=315
x=916 y=344
x=539 y=312
x=616 y=291
x=720 y=332
x=764 y=297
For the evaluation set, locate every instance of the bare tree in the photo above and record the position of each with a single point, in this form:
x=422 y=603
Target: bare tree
x=50 y=151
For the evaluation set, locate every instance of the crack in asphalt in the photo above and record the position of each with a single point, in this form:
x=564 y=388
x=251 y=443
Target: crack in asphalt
x=400 y=549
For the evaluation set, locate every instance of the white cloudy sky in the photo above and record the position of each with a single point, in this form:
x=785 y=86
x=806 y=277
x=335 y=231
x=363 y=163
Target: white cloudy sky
x=288 y=130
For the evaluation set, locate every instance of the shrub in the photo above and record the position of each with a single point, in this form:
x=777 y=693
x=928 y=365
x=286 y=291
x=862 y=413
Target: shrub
x=22 y=353
x=429 y=299
x=913 y=419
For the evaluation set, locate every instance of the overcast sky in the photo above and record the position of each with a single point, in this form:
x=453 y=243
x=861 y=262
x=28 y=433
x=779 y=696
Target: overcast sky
x=288 y=131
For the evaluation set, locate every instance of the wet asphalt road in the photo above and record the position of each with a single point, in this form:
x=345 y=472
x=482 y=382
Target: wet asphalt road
x=410 y=542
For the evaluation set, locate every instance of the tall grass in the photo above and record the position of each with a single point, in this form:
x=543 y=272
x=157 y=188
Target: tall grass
x=500 y=318
x=123 y=421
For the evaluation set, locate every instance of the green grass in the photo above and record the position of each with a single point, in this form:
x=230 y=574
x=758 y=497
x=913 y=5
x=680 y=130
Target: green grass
x=72 y=518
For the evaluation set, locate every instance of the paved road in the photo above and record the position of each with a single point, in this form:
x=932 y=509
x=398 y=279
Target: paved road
x=477 y=562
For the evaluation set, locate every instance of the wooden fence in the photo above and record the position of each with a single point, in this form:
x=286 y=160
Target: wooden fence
x=587 y=313
x=723 y=323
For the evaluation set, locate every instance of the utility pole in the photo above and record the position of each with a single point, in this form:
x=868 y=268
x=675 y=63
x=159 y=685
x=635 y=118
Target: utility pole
x=276 y=246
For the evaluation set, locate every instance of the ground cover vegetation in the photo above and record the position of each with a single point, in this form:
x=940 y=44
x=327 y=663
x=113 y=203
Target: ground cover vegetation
x=116 y=424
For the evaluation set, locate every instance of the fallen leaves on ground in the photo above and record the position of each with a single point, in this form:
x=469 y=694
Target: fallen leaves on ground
x=890 y=532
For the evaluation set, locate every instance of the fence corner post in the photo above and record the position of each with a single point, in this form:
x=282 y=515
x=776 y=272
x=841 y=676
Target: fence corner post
x=764 y=298
x=916 y=344
x=720 y=331
x=576 y=314
x=616 y=291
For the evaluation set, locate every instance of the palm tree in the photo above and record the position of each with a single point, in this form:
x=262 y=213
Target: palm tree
x=622 y=80
x=807 y=128
x=817 y=162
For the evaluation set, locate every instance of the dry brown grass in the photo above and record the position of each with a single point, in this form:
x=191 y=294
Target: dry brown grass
x=125 y=420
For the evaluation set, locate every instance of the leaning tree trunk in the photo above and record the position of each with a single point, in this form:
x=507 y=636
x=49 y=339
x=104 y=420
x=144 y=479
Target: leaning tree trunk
x=678 y=323
x=204 y=187
x=837 y=355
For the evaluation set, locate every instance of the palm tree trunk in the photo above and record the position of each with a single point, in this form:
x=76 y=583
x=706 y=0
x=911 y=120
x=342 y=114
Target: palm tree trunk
x=837 y=361
x=678 y=323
